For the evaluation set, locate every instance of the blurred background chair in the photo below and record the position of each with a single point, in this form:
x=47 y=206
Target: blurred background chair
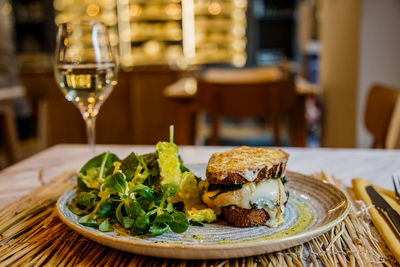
x=14 y=143
x=268 y=101
x=259 y=106
x=245 y=98
x=39 y=114
x=249 y=75
x=382 y=116
x=9 y=136
x=393 y=134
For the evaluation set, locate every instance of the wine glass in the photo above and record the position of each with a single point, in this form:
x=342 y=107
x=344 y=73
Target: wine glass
x=85 y=69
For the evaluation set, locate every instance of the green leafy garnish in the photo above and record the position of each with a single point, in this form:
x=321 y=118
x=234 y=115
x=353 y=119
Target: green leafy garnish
x=105 y=226
x=116 y=183
x=88 y=220
x=77 y=211
x=182 y=166
x=128 y=166
x=139 y=192
x=87 y=200
x=97 y=161
x=105 y=209
x=91 y=174
x=179 y=223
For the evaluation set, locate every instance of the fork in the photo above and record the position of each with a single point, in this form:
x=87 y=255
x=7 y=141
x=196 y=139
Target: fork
x=396 y=187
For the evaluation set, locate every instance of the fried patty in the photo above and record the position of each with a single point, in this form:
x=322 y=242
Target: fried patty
x=244 y=217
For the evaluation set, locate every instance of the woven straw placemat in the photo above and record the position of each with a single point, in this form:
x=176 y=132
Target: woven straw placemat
x=32 y=235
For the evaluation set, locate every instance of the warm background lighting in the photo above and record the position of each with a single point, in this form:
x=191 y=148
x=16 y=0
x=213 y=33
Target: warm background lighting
x=93 y=10
x=169 y=32
x=214 y=8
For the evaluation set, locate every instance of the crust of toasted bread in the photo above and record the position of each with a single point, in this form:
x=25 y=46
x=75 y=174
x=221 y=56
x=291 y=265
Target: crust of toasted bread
x=246 y=164
x=244 y=217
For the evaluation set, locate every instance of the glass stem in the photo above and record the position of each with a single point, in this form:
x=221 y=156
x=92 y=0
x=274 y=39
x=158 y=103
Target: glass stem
x=91 y=132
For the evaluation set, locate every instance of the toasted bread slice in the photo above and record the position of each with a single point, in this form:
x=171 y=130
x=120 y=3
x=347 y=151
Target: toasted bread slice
x=246 y=164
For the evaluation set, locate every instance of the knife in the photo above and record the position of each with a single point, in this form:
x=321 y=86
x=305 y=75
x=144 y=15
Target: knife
x=381 y=204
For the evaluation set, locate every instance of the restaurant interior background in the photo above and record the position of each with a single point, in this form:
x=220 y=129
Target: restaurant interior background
x=332 y=52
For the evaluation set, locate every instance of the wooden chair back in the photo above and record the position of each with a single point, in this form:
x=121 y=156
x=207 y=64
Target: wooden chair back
x=16 y=150
x=39 y=104
x=247 y=75
x=9 y=134
x=245 y=100
x=381 y=102
x=392 y=140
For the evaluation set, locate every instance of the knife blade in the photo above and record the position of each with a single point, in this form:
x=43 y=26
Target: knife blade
x=381 y=204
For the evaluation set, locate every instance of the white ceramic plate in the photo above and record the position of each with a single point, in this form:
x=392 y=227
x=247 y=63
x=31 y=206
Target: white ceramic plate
x=314 y=205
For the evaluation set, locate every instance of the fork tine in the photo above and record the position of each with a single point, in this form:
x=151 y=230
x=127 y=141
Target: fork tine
x=396 y=190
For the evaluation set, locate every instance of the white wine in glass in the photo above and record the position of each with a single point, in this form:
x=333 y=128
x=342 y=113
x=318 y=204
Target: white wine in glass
x=85 y=69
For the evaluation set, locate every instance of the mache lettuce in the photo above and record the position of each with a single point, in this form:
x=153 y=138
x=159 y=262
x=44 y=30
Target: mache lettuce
x=138 y=193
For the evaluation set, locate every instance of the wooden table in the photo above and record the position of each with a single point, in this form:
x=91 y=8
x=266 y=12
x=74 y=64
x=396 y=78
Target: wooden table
x=184 y=91
x=376 y=166
x=31 y=247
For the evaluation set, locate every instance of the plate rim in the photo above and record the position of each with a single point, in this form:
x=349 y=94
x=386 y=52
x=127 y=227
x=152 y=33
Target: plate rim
x=309 y=234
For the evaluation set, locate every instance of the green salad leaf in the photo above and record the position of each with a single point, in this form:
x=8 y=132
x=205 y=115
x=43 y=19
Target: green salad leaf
x=139 y=192
x=105 y=226
x=106 y=209
x=128 y=166
x=87 y=200
x=115 y=183
x=88 y=220
x=97 y=161
x=91 y=174
x=151 y=161
x=179 y=223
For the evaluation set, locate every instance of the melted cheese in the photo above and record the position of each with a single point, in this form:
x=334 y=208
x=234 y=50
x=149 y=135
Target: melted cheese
x=268 y=195
x=250 y=175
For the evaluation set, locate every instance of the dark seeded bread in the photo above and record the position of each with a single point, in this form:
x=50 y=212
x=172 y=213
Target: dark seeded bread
x=228 y=167
x=244 y=217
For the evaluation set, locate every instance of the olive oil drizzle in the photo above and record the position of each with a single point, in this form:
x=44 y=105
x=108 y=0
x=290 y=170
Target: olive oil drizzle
x=305 y=219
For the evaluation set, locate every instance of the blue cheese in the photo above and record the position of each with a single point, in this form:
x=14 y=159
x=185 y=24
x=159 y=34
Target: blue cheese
x=268 y=195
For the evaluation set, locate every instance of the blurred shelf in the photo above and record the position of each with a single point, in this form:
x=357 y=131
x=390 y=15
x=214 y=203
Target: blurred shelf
x=104 y=11
x=214 y=31
x=223 y=10
x=150 y=61
x=157 y=18
x=215 y=28
x=156 y=38
x=151 y=2
x=205 y=44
